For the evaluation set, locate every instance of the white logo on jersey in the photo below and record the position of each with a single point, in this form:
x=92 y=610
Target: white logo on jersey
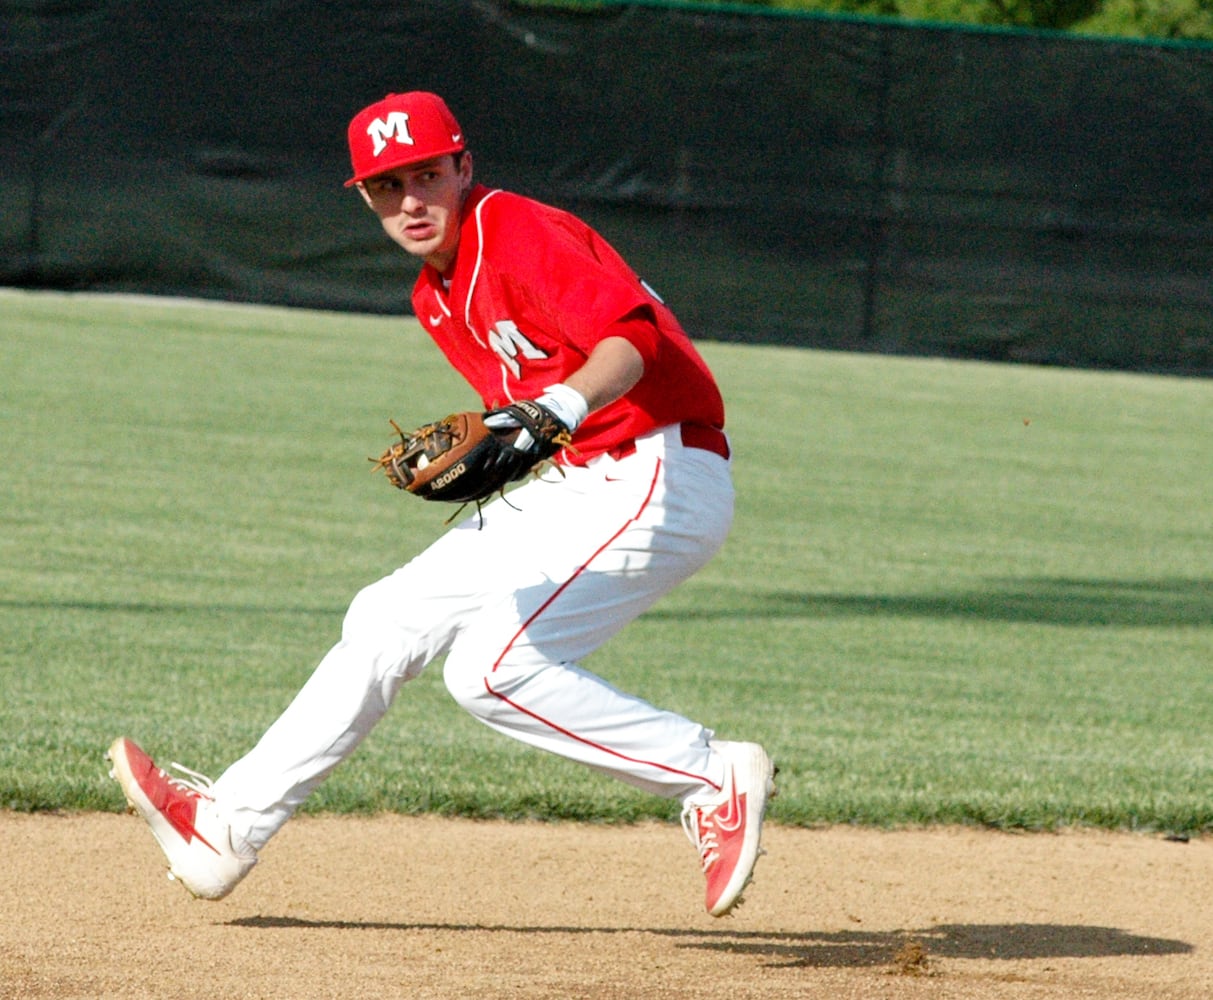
x=396 y=126
x=508 y=342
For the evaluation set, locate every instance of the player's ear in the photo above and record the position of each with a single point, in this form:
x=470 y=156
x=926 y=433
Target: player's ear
x=365 y=197
x=465 y=170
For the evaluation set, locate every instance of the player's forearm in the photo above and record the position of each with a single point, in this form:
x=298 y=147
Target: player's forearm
x=612 y=368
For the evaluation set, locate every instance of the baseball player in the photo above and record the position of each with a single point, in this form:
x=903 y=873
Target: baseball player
x=528 y=304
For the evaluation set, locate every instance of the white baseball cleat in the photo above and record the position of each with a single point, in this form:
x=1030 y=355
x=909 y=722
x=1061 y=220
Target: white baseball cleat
x=203 y=853
x=727 y=829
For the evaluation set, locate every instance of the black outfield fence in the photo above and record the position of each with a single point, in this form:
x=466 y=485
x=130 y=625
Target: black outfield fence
x=812 y=181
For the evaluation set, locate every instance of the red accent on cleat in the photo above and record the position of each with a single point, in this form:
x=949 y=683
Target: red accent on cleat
x=727 y=831
x=177 y=802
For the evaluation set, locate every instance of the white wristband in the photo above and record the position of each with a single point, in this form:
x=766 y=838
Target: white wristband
x=567 y=403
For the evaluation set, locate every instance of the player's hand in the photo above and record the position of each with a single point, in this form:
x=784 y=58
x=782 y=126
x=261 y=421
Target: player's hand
x=530 y=428
x=544 y=425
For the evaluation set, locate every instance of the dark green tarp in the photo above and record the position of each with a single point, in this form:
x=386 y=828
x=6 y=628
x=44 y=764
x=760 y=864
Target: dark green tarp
x=821 y=182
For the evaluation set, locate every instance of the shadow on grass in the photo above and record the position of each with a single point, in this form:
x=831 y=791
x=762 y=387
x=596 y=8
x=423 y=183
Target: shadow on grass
x=1006 y=942
x=1032 y=600
x=170 y=608
x=1042 y=600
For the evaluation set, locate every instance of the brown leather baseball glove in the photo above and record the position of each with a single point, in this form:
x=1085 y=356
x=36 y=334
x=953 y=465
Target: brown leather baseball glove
x=462 y=459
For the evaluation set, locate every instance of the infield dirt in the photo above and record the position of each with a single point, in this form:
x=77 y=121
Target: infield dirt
x=389 y=907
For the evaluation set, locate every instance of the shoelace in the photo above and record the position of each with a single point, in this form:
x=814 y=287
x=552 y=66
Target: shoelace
x=194 y=782
x=701 y=835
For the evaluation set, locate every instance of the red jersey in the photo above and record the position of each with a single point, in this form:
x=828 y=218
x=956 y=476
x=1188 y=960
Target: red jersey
x=531 y=292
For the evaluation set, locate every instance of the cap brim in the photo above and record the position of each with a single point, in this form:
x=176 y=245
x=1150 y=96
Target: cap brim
x=405 y=161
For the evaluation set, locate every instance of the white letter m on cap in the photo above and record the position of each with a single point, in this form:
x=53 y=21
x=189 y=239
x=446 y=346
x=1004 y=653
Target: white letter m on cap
x=396 y=127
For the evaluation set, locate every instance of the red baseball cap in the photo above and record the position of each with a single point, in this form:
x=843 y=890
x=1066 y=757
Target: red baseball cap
x=399 y=130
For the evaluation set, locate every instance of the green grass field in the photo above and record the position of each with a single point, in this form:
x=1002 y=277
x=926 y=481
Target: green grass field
x=954 y=593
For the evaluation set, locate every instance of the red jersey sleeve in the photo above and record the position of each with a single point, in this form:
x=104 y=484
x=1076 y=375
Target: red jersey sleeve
x=564 y=271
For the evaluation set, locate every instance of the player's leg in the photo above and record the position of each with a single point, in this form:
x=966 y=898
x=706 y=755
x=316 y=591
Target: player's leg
x=632 y=531
x=211 y=832
x=595 y=551
x=391 y=632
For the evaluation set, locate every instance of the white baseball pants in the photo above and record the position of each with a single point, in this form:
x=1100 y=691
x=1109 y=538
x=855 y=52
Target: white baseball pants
x=513 y=605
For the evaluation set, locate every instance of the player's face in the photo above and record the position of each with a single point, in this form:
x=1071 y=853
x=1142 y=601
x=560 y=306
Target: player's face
x=419 y=205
